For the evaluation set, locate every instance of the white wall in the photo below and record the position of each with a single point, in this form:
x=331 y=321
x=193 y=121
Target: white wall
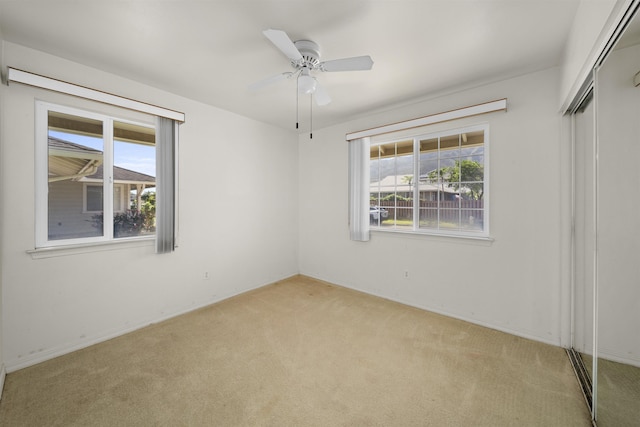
x=618 y=107
x=592 y=27
x=519 y=282
x=238 y=222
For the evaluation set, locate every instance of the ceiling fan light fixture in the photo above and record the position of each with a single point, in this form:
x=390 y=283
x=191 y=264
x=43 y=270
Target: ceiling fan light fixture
x=306 y=83
x=304 y=57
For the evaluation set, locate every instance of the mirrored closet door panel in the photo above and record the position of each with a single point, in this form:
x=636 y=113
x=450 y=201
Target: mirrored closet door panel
x=617 y=99
x=584 y=241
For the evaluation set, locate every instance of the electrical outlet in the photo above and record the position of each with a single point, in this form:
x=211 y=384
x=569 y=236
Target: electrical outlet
x=406 y=274
x=205 y=276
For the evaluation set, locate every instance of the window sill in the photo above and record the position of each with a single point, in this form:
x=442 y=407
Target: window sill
x=445 y=236
x=55 y=251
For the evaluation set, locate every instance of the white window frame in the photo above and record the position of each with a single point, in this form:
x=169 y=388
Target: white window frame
x=41 y=175
x=484 y=234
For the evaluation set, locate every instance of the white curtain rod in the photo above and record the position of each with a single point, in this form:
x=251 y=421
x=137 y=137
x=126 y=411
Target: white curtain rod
x=474 y=110
x=36 y=80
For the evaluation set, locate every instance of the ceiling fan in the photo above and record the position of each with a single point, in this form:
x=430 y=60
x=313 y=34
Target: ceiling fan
x=304 y=56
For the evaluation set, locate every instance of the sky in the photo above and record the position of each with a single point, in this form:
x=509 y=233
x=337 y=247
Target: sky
x=135 y=157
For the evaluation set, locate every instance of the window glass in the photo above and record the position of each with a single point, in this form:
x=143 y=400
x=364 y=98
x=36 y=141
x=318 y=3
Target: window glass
x=392 y=185
x=134 y=155
x=75 y=151
x=94 y=198
x=100 y=177
x=437 y=179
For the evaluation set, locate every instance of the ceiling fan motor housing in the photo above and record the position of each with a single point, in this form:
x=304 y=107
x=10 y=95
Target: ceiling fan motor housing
x=310 y=52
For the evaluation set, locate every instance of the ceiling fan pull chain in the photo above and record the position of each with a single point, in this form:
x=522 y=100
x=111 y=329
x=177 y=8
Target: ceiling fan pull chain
x=297 y=101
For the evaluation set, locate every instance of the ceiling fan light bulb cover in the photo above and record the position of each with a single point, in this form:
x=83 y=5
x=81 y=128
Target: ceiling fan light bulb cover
x=306 y=84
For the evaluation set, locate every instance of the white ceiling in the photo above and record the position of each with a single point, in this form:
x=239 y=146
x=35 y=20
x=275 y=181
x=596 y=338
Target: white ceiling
x=211 y=51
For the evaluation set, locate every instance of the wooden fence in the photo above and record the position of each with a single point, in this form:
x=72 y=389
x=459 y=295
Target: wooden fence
x=455 y=210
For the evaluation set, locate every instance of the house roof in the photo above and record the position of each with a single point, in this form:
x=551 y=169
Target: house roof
x=396 y=183
x=71 y=161
x=62 y=145
x=123 y=175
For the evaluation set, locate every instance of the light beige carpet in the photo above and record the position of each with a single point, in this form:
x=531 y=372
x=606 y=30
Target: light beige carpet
x=302 y=353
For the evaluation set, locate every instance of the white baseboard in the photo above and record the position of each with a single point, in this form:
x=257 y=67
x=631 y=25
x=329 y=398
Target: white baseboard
x=51 y=353
x=523 y=334
x=605 y=354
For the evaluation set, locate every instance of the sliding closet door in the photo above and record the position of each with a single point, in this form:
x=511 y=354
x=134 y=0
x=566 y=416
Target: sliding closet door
x=618 y=224
x=584 y=240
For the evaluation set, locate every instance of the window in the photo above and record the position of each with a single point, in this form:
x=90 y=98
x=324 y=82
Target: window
x=95 y=177
x=435 y=183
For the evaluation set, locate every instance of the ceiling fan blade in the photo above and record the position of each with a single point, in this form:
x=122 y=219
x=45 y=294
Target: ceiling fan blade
x=282 y=41
x=321 y=96
x=269 y=81
x=357 y=63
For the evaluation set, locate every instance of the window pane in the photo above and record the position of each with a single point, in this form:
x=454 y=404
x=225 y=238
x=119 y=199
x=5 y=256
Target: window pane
x=429 y=216
x=448 y=179
x=429 y=171
x=475 y=138
x=374 y=170
x=429 y=145
x=472 y=190
x=119 y=204
x=452 y=182
x=403 y=218
x=472 y=219
x=450 y=146
x=75 y=157
x=428 y=193
x=392 y=184
x=479 y=159
x=449 y=219
x=428 y=167
x=374 y=178
x=472 y=170
x=134 y=170
x=404 y=147
x=94 y=198
x=377 y=215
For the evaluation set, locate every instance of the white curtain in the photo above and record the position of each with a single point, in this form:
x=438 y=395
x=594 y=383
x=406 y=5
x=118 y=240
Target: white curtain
x=359 y=189
x=166 y=143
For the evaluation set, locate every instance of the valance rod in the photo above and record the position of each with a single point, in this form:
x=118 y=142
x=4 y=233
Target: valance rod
x=474 y=110
x=36 y=80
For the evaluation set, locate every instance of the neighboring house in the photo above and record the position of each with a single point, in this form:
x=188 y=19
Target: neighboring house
x=76 y=190
x=397 y=184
